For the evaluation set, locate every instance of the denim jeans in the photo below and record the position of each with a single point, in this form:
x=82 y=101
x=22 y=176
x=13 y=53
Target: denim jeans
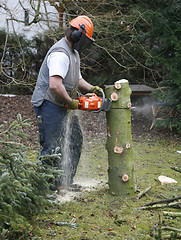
x=52 y=120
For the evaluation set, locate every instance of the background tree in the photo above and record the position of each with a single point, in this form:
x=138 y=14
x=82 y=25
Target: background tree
x=163 y=41
x=137 y=40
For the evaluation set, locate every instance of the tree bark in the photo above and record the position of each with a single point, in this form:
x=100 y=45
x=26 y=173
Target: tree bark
x=119 y=140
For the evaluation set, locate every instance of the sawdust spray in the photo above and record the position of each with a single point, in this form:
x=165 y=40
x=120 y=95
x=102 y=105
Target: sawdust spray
x=66 y=160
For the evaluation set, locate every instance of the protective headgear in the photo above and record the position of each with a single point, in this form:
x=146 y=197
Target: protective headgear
x=82 y=36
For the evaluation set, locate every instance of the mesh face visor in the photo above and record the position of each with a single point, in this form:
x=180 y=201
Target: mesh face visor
x=84 y=43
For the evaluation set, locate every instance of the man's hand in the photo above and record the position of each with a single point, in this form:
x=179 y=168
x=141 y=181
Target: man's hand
x=97 y=90
x=73 y=105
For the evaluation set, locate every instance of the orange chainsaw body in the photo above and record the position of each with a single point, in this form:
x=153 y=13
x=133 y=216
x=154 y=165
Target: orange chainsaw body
x=90 y=102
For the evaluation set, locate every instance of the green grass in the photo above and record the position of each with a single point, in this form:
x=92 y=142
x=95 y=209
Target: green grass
x=95 y=211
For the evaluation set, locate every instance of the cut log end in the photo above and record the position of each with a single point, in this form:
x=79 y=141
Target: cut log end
x=123 y=81
x=125 y=178
x=128 y=145
x=117 y=85
x=118 y=150
x=114 y=97
x=129 y=104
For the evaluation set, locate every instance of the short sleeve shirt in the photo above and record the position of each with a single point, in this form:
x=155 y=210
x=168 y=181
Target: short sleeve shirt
x=58 y=64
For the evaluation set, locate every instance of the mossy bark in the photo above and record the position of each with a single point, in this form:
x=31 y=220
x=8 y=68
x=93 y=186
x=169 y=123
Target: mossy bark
x=119 y=141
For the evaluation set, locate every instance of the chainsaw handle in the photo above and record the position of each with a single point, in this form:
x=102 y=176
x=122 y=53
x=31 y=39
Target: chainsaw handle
x=103 y=99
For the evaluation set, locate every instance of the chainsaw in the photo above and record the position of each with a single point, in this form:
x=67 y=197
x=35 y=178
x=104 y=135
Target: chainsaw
x=94 y=103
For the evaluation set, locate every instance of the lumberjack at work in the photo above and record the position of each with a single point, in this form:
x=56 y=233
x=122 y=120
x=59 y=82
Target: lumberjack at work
x=58 y=81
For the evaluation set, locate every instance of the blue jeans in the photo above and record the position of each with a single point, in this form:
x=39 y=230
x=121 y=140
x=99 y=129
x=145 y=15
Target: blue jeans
x=52 y=121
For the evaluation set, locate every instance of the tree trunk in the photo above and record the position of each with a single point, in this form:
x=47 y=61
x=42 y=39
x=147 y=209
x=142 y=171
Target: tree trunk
x=119 y=140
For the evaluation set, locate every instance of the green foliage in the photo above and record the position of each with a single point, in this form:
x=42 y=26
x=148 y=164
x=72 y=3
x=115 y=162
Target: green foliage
x=170 y=95
x=164 y=45
x=23 y=183
x=141 y=41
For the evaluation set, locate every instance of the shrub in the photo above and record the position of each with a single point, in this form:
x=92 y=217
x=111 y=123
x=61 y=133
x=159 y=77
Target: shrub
x=23 y=183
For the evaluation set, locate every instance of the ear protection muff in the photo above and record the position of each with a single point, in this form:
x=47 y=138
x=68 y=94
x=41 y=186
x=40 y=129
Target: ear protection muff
x=76 y=34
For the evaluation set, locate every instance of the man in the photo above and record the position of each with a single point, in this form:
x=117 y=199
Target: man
x=58 y=81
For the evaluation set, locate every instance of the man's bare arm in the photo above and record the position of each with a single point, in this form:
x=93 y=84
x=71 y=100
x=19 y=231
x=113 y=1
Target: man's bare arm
x=56 y=85
x=84 y=86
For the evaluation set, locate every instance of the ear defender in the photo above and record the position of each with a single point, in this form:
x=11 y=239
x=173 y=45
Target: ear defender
x=77 y=34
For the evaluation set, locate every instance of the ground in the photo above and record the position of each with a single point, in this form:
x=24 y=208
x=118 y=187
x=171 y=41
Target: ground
x=97 y=214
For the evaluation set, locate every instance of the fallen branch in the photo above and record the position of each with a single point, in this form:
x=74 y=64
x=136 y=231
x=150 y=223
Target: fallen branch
x=72 y=224
x=163 y=201
x=165 y=236
x=168 y=236
x=118 y=220
x=171 y=228
x=177 y=169
x=143 y=192
x=172 y=214
x=176 y=204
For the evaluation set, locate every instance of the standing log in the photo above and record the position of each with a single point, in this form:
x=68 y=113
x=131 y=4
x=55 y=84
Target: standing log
x=119 y=139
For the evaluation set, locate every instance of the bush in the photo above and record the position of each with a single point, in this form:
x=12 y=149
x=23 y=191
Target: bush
x=23 y=183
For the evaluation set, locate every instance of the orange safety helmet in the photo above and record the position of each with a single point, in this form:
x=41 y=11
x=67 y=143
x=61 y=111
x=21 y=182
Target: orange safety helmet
x=78 y=21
